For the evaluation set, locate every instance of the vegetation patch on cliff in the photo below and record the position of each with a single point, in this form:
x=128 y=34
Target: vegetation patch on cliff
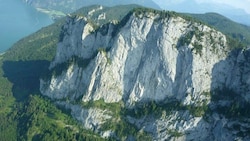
x=118 y=124
x=156 y=109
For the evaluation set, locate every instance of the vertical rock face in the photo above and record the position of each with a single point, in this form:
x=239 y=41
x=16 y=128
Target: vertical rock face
x=147 y=58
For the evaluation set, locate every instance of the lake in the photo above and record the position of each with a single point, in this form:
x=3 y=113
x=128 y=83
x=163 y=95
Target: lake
x=18 y=20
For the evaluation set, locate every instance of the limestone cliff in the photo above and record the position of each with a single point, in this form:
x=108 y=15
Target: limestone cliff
x=168 y=76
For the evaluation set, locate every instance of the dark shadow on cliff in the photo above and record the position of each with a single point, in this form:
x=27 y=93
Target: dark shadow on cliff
x=24 y=75
x=230 y=83
x=228 y=86
x=183 y=75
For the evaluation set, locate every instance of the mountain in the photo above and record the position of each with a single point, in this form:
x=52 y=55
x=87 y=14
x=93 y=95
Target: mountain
x=192 y=6
x=153 y=73
x=139 y=74
x=59 y=8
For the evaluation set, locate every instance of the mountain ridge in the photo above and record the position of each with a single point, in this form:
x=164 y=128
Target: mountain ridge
x=55 y=31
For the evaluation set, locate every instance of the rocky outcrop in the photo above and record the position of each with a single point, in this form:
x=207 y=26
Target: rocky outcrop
x=150 y=57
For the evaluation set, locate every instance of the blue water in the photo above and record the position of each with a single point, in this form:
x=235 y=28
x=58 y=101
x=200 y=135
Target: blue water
x=18 y=20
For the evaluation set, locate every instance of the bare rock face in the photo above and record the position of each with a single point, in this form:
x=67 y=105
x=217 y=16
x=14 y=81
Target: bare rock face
x=149 y=58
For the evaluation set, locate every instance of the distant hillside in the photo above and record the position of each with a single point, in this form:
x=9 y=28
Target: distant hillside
x=235 y=30
x=58 y=8
x=194 y=6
